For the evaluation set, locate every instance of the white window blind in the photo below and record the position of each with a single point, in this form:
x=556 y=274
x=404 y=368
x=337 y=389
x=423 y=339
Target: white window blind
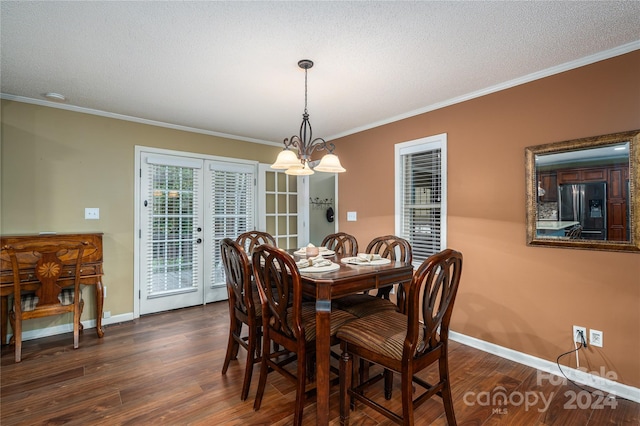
x=173 y=262
x=421 y=195
x=233 y=208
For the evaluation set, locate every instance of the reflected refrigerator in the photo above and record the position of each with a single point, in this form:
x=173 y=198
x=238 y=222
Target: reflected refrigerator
x=585 y=203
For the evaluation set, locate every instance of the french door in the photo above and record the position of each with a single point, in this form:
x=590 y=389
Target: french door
x=283 y=207
x=186 y=205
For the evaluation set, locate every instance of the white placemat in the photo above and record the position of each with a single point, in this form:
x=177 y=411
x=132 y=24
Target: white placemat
x=360 y=261
x=327 y=268
x=323 y=251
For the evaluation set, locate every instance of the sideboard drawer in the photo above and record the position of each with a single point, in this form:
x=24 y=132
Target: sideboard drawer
x=27 y=275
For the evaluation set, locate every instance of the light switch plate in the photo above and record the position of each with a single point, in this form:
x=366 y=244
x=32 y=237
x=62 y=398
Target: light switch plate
x=352 y=216
x=92 y=213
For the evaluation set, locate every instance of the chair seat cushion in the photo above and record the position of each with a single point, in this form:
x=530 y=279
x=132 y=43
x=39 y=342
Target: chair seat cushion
x=66 y=296
x=383 y=333
x=338 y=319
x=362 y=305
x=257 y=303
x=29 y=301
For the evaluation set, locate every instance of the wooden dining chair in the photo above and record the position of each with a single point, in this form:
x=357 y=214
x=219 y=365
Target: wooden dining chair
x=244 y=308
x=58 y=271
x=252 y=239
x=342 y=243
x=389 y=247
x=575 y=233
x=287 y=322
x=406 y=344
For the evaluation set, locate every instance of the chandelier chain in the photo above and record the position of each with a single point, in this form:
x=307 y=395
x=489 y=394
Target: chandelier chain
x=305 y=91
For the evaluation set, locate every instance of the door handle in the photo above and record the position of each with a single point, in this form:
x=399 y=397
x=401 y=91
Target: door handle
x=199 y=240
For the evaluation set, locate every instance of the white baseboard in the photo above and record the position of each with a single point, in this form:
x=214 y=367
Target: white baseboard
x=68 y=328
x=586 y=378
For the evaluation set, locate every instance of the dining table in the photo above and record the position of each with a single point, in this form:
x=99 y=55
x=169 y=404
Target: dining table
x=328 y=286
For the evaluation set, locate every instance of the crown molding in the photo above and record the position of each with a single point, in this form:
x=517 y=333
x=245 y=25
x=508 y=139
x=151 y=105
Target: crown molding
x=587 y=60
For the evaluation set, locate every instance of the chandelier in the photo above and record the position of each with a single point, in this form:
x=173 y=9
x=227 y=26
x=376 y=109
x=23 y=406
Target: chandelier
x=299 y=162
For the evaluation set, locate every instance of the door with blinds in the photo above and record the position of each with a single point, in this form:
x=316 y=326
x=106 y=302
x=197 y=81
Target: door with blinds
x=186 y=206
x=230 y=199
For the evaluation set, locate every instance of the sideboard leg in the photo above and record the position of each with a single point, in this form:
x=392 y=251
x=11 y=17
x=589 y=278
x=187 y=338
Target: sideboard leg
x=99 y=303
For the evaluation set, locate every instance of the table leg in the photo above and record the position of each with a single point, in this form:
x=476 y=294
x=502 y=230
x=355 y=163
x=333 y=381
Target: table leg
x=99 y=304
x=323 y=349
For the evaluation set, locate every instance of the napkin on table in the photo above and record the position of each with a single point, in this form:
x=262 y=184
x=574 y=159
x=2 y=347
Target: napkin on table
x=367 y=257
x=310 y=245
x=313 y=261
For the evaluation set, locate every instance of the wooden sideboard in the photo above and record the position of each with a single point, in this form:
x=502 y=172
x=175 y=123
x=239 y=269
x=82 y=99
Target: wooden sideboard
x=91 y=269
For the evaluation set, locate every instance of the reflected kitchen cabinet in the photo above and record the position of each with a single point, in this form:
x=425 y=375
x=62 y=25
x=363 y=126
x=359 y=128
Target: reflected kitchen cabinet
x=617 y=203
x=580 y=175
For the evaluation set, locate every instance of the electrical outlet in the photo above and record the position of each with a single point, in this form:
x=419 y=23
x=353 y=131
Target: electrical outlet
x=576 y=334
x=106 y=314
x=595 y=337
x=352 y=216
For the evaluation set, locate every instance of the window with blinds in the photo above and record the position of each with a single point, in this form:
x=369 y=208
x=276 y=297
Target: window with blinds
x=421 y=195
x=233 y=208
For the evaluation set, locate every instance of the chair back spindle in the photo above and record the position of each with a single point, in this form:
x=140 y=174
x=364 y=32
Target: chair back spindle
x=279 y=284
x=342 y=243
x=391 y=247
x=431 y=297
x=252 y=239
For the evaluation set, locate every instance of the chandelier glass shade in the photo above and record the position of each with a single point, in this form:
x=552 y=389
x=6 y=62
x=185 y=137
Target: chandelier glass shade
x=296 y=156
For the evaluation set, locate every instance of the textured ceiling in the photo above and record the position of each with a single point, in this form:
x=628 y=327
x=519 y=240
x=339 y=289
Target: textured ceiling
x=231 y=67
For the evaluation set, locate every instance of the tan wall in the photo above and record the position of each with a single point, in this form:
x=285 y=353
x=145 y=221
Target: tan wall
x=56 y=162
x=519 y=297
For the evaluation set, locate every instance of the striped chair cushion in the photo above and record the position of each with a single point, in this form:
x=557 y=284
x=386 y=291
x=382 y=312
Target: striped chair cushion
x=257 y=303
x=383 y=333
x=362 y=305
x=29 y=301
x=338 y=319
x=66 y=296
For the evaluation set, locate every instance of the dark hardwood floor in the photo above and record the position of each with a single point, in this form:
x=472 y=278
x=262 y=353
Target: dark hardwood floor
x=165 y=369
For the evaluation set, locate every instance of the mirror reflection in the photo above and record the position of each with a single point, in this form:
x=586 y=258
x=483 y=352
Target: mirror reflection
x=573 y=196
x=580 y=193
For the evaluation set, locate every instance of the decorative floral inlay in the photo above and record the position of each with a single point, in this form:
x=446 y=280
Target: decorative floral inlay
x=49 y=269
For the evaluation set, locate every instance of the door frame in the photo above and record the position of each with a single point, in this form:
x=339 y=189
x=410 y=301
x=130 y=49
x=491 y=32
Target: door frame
x=137 y=207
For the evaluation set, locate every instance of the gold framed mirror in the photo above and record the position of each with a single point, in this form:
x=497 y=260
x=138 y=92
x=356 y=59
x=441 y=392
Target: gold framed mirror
x=583 y=193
